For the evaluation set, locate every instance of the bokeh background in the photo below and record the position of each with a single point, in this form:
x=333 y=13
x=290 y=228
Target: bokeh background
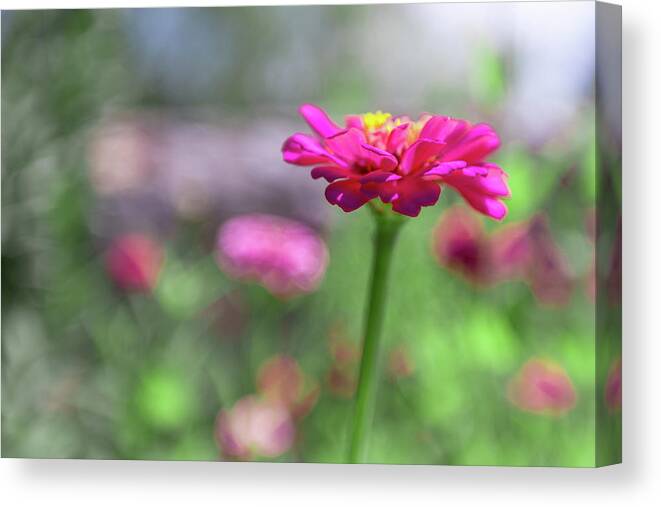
x=163 y=124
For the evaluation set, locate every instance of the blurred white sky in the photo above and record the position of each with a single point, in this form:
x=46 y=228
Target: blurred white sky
x=406 y=48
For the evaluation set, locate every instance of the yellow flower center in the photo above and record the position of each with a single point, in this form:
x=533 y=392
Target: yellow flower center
x=413 y=131
x=379 y=125
x=374 y=121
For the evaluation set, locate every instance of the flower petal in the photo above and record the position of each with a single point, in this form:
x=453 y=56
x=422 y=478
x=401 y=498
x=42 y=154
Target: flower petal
x=377 y=184
x=407 y=195
x=347 y=144
x=445 y=168
x=346 y=194
x=413 y=193
x=486 y=204
x=386 y=191
x=379 y=177
x=474 y=146
x=330 y=173
x=397 y=138
x=444 y=129
x=482 y=192
x=418 y=154
x=493 y=183
x=474 y=170
x=354 y=121
x=380 y=159
x=352 y=147
x=301 y=149
x=318 y=120
x=489 y=206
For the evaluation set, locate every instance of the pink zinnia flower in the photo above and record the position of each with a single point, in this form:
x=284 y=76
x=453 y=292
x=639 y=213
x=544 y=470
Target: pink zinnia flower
x=284 y=256
x=542 y=387
x=524 y=250
x=404 y=162
x=461 y=244
x=134 y=262
x=550 y=276
x=511 y=251
x=528 y=250
x=282 y=381
x=613 y=387
x=254 y=427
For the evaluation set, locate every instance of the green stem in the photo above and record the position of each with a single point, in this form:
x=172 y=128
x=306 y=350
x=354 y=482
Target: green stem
x=384 y=242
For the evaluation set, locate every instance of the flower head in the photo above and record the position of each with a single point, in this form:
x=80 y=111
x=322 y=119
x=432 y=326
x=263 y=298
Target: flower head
x=403 y=162
x=542 y=387
x=284 y=256
x=523 y=250
x=254 y=427
x=134 y=262
x=550 y=274
x=461 y=244
x=528 y=250
x=512 y=251
x=281 y=380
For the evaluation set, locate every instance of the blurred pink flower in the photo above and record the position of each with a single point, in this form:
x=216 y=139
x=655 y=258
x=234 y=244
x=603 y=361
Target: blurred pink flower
x=528 y=251
x=549 y=275
x=345 y=354
x=542 y=387
x=134 y=262
x=461 y=244
x=342 y=380
x=524 y=250
x=400 y=363
x=283 y=255
x=613 y=387
x=120 y=156
x=404 y=162
x=511 y=251
x=254 y=427
x=282 y=381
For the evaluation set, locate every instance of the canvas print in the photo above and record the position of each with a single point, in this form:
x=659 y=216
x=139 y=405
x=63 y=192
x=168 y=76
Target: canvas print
x=319 y=234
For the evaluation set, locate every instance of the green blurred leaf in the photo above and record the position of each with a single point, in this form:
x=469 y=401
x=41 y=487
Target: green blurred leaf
x=491 y=341
x=487 y=79
x=184 y=290
x=440 y=391
x=589 y=167
x=165 y=399
x=195 y=447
